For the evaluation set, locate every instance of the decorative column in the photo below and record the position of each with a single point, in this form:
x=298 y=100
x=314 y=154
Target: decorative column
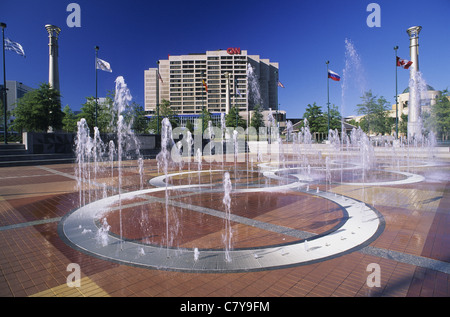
x=414 y=111
x=53 y=71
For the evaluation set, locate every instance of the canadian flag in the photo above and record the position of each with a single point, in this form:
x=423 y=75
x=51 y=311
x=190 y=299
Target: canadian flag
x=403 y=63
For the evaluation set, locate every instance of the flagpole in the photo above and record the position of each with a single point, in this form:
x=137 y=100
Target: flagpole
x=328 y=99
x=3 y=26
x=396 y=94
x=157 y=101
x=96 y=98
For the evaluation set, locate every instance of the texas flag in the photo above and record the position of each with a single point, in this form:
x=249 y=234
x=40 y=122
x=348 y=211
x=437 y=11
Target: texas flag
x=403 y=63
x=333 y=76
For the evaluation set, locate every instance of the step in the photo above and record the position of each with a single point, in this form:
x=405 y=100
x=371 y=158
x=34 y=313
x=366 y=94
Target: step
x=35 y=159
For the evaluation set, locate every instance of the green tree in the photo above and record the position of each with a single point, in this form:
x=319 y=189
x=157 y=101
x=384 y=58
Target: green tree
x=88 y=112
x=353 y=122
x=232 y=117
x=140 y=122
x=403 y=124
x=69 y=121
x=335 y=118
x=375 y=114
x=38 y=110
x=190 y=126
x=439 y=120
x=316 y=120
x=106 y=119
x=257 y=120
x=205 y=117
x=165 y=111
x=2 y=113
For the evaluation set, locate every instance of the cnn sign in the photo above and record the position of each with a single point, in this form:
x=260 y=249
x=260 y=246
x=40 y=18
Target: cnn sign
x=234 y=50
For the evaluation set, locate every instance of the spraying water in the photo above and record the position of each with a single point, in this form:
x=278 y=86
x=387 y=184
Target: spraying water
x=121 y=100
x=417 y=96
x=102 y=234
x=93 y=149
x=223 y=130
x=190 y=142
x=163 y=158
x=227 y=236
x=253 y=87
x=83 y=148
x=198 y=156
x=352 y=74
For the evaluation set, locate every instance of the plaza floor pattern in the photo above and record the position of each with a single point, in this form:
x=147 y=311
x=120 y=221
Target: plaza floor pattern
x=412 y=251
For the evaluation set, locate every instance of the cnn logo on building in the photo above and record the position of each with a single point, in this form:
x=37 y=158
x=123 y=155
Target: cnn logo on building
x=234 y=50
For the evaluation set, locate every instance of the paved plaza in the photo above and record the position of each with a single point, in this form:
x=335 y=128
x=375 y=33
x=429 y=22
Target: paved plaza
x=289 y=236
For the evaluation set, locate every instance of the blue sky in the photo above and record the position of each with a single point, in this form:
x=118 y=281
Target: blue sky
x=300 y=35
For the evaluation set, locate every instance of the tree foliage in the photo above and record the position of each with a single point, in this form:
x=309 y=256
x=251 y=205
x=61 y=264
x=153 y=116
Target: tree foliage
x=316 y=119
x=257 y=120
x=403 y=124
x=69 y=120
x=439 y=118
x=233 y=117
x=104 y=112
x=164 y=112
x=140 y=122
x=376 y=118
x=335 y=118
x=38 y=110
x=204 y=118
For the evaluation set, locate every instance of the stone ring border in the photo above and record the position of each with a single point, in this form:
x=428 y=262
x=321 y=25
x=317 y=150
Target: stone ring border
x=362 y=226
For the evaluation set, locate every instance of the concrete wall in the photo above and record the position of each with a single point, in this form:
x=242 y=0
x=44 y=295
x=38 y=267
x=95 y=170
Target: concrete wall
x=64 y=143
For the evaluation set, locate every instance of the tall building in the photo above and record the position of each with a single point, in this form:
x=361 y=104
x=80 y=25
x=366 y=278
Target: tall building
x=196 y=81
x=16 y=90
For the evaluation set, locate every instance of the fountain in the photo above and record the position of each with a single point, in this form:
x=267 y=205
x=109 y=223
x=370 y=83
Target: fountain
x=164 y=159
x=227 y=236
x=267 y=232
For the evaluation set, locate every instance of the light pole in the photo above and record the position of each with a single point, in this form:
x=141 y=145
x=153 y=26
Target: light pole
x=3 y=26
x=157 y=101
x=396 y=94
x=96 y=98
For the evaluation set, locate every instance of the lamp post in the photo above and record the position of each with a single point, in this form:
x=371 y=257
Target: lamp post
x=3 y=26
x=157 y=102
x=396 y=94
x=96 y=98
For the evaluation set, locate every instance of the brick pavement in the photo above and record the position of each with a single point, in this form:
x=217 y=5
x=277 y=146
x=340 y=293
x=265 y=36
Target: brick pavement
x=34 y=259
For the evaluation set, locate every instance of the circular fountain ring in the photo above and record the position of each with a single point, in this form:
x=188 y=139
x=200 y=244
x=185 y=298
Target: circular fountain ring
x=362 y=225
x=409 y=178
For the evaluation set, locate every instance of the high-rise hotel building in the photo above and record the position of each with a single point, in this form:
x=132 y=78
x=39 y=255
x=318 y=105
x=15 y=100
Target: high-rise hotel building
x=191 y=82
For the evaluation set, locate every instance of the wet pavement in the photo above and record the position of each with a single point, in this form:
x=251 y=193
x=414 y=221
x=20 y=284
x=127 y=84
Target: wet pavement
x=281 y=230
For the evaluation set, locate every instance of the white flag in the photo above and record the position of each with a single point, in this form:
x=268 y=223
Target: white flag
x=103 y=65
x=14 y=46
